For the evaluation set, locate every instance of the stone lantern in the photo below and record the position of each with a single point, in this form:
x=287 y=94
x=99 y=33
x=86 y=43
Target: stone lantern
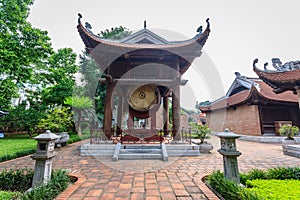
x=229 y=151
x=43 y=157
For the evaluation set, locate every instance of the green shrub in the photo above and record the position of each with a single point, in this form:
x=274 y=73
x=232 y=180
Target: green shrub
x=17 y=155
x=282 y=173
x=229 y=189
x=16 y=179
x=253 y=174
x=58 y=183
x=6 y=195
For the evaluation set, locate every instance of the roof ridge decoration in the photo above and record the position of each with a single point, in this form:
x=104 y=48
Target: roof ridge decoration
x=278 y=66
x=244 y=81
x=91 y=40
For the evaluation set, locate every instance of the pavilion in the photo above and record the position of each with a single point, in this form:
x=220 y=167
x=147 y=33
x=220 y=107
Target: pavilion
x=141 y=72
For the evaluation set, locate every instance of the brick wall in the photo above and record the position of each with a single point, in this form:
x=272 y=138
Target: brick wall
x=242 y=120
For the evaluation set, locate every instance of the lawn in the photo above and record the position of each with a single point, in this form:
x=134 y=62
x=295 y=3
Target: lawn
x=275 y=189
x=10 y=146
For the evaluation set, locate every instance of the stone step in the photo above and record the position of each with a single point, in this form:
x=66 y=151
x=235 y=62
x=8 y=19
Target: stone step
x=140 y=151
x=135 y=156
x=141 y=146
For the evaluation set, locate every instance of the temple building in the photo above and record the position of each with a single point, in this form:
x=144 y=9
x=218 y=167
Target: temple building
x=250 y=107
x=286 y=77
x=142 y=72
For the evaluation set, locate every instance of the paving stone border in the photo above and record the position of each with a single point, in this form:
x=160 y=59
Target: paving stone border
x=71 y=188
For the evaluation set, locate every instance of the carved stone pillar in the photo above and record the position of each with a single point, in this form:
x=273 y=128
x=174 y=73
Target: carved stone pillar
x=176 y=111
x=166 y=114
x=108 y=109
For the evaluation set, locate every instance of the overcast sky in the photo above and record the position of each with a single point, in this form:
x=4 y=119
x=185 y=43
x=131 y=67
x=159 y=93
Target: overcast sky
x=240 y=32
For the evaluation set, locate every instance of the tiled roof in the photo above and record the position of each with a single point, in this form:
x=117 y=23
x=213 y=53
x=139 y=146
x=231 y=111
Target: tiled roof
x=277 y=77
x=193 y=45
x=266 y=91
x=227 y=101
x=245 y=96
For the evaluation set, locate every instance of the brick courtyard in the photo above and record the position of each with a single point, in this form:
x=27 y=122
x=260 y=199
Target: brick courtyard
x=179 y=178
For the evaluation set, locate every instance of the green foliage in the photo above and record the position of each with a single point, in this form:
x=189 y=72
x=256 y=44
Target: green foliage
x=17 y=155
x=58 y=119
x=283 y=173
x=6 y=195
x=16 y=179
x=22 y=46
x=8 y=90
x=80 y=105
x=59 y=182
x=22 y=119
x=76 y=138
x=116 y=33
x=21 y=180
x=275 y=189
x=202 y=131
x=289 y=131
x=59 y=77
x=253 y=174
x=279 y=173
x=229 y=189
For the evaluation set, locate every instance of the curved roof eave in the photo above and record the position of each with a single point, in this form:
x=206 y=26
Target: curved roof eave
x=91 y=41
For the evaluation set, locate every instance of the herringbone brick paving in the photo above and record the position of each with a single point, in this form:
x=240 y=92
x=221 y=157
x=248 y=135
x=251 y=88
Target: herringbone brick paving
x=179 y=178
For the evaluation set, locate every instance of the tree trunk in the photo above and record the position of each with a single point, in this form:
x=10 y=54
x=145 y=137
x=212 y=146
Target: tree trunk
x=79 y=124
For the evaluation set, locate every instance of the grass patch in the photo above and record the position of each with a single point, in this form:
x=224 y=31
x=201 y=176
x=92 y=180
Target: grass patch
x=275 y=183
x=10 y=146
x=18 y=145
x=275 y=189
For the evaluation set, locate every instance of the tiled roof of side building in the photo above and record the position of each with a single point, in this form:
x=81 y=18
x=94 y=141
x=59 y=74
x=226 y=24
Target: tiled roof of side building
x=264 y=91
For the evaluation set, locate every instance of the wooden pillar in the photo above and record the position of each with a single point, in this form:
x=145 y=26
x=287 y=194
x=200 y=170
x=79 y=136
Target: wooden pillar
x=298 y=93
x=176 y=111
x=108 y=109
x=153 y=120
x=166 y=115
x=120 y=111
x=130 y=122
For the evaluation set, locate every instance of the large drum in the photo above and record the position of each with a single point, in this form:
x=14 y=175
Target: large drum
x=143 y=98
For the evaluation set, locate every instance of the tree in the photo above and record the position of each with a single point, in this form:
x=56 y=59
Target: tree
x=21 y=46
x=81 y=105
x=58 y=119
x=91 y=72
x=21 y=119
x=115 y=33
x=59 y=76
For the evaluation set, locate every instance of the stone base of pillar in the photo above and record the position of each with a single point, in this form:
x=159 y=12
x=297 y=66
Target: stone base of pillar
x=42 y=172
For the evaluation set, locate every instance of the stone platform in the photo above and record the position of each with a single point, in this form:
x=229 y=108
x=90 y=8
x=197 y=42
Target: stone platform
x=139 y=151
x=291 y=150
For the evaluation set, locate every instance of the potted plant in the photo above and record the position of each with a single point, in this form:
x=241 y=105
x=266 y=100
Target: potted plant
x=289 y=130
x=202 y=131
